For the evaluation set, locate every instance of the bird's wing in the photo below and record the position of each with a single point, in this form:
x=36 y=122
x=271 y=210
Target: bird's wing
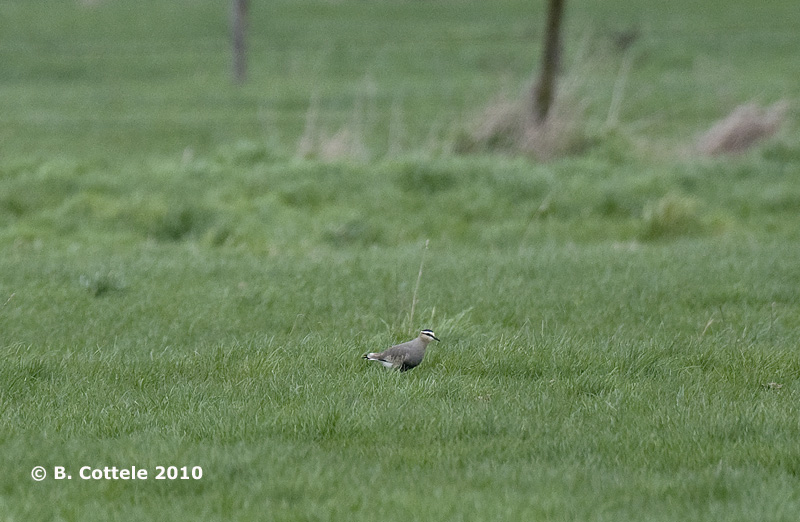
x=409 y=352
x=395 y=353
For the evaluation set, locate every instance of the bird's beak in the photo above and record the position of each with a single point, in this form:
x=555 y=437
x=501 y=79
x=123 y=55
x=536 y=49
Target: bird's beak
x=437 y=339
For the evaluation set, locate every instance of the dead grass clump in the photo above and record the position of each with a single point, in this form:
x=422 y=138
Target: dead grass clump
x=341 y=145
x=742 y=128
x=500 y=127
x=347 y=143
x=508 y=126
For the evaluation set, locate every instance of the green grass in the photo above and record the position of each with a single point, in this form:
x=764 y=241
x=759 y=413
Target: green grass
x=551 y=396
x=179 y=288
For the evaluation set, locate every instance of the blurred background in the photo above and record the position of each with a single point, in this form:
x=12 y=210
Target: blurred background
x=367 y=79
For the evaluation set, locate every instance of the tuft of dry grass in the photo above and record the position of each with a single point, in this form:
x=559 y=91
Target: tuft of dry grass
x=347 y=143
x=743 y=128
x=507 y=125
x=344 y=144
x=416 y=288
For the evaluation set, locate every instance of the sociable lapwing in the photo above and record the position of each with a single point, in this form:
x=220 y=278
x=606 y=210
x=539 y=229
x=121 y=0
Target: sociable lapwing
x=404 y=356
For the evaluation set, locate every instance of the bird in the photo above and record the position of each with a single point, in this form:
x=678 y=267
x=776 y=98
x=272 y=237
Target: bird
x=406 y=355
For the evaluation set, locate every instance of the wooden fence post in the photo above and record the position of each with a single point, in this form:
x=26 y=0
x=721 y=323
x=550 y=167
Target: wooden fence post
x=239 y=31
x=544 y=91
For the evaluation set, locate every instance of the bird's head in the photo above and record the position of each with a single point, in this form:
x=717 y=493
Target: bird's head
x=428 y=336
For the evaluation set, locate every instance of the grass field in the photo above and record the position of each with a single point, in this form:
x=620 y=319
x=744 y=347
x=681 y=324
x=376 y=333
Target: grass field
x=191 y=270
